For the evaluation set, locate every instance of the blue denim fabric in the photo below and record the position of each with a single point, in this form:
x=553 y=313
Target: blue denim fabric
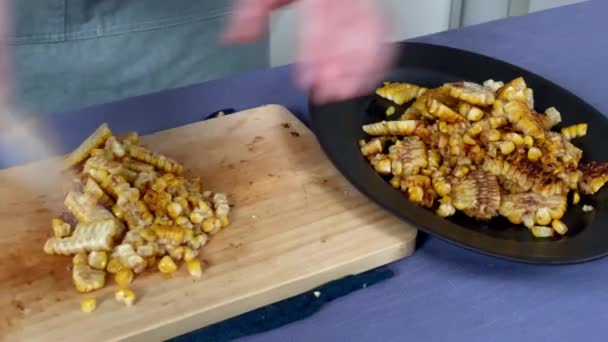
x=68 y=54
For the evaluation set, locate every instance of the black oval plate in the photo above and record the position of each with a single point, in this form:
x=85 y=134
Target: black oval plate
x=338 y=129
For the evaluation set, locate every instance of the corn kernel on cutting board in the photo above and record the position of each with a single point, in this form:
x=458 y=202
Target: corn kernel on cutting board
x=296 y=223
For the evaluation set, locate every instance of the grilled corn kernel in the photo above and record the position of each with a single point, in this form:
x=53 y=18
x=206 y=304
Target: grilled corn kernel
x=166 y=265
x=468 y=140
x=383 y=166
x=529 y=141
x=534 y=154
x=372 y=147
x=492 y=135
x=415 y=194
x=560 y=227
x=87 y=279
x=576 y=198
x=543 y=217
x=98 y=260
x=177 y=253
x=125 y=296
x=114 y=266
x=516 y=138
x=183 y=221
x=190 y=254
x=506 y=147
x=80 y=259
x=443 y=127
x=196 y=216
x=475 y=114
x=574 y=131
x=148 y=235
x=88 y=305
x=194 y=268
x=208 y=224
x=390 y=111
x=476 y=129
x=124 y=277
x=174 y=209
x=542 y=231
x=497 y=121
x=60 y=228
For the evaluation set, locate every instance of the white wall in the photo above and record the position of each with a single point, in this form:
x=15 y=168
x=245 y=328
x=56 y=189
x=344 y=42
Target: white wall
x=479 y=11
x=409 y=18
x=539 y=5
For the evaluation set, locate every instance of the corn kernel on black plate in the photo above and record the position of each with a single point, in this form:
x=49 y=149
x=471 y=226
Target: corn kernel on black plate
x=338 y=129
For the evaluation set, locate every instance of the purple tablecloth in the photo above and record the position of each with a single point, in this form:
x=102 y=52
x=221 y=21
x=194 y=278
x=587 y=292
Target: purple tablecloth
x=441 y=293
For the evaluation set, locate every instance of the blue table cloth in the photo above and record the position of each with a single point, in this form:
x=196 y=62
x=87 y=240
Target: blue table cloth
x=442 y=292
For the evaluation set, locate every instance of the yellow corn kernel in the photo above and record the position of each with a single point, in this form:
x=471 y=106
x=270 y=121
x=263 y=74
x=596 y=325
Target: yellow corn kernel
x=60 y=228
x=225 y=221
x=468 y=140
x=560 y=227
x=461 y=171
x=148 y=235
x=443 y=127
x=576 y=198
x=166 y=265
x=497 y=121
x=177 y=253
x=183 y=221
x=371 y=148
x=88 y=305
x=542 y=231
x=80 y=259
x=190 y=254
x=95 y=140
x=188 y=235
x=197 y=216
x=528 y=141
x=395 y=182
x=147 y=250
x=475 y=114
x=174 y=209
x=124 y=277
x=125 y=296
x=534 y=154
x=543 y=216
x=574 y=131
x=382 y=166
x=194 y=268
x=198 y=241
x=208 y=224
x=516 y=138
x=160 y=161
x=114 y=266
x=97 y=152
x=98 y=260
x=170 y=233
x=506 y=147
x=476 y=129
x=415 y=194
x=492 y=135
x=445 y=210
x=390 y=111
x=87 y=279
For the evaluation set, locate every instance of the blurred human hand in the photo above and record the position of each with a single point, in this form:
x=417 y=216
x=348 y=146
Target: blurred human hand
x=342 y=44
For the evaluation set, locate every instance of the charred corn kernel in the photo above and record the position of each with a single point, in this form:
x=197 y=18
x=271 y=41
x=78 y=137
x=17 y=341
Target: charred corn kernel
x=559 y=227
x=468 y=140
x=60 y=228
x=528 y=141
x=125 y=296
x=575 y=131
x=576 y=198
x=88 y=305
x=87 y=279
x=383 y=166
x=194 y=268
x=534 y=154
x=415 y=194
x=476 y=129
x=445 y=210
x=80 y=259
x=95 y=140
x=166 y=265
x=160 y=161
x=390 y=111
x=148 y=234
x=543 y=216
x=190 y=254
x=174 y=209
x=124 y=277
x=114 y=265
x=177 y=253
x=542 y=231
x=98 y=260
x=506 y=147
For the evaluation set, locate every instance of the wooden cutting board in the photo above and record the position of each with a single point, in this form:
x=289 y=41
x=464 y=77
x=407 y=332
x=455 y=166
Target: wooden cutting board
x=296 y=224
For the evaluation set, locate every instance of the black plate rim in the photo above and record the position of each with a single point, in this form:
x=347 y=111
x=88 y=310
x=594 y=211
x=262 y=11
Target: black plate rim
x=313 y=110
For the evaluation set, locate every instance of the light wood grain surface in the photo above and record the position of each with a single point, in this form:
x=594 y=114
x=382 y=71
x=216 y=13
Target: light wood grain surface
x=296 y=224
